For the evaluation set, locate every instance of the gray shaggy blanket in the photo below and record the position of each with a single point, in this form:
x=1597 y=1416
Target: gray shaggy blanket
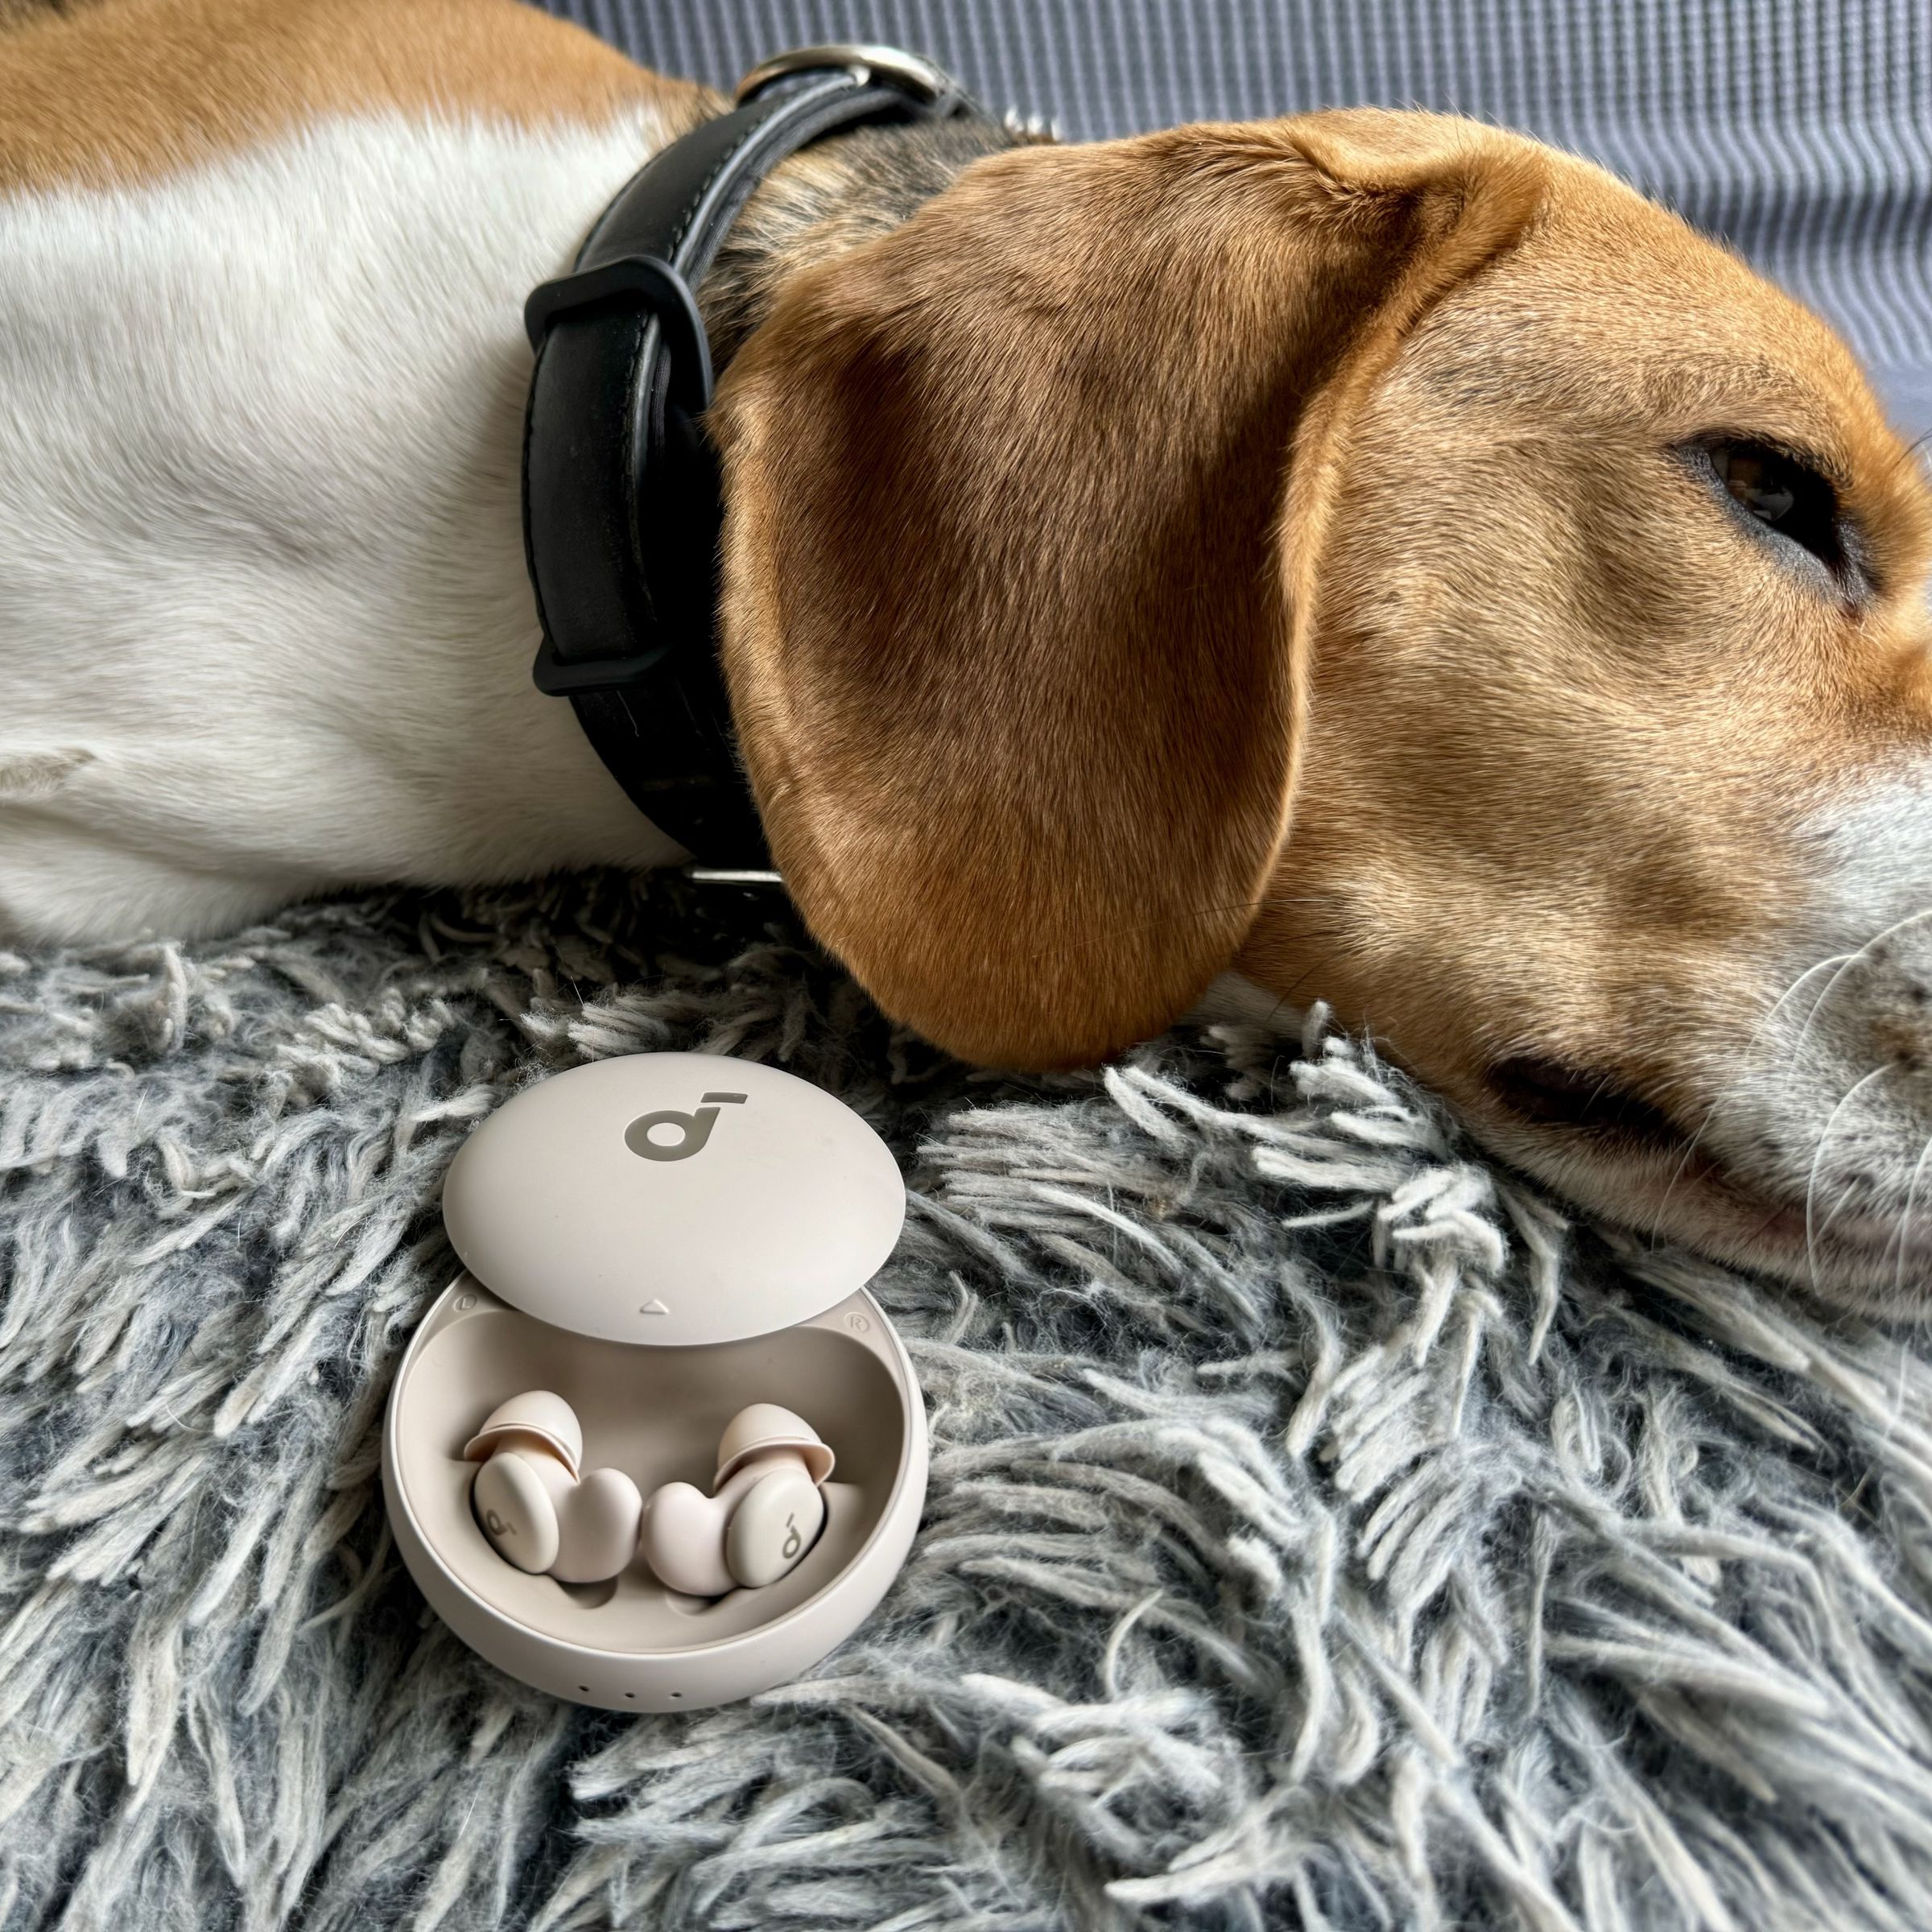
x=1321 y=1535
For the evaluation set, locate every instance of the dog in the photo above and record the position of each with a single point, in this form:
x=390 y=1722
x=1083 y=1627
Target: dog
x=1369 y=555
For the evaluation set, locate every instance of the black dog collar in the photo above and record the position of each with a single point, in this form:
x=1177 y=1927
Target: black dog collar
x=621 y=512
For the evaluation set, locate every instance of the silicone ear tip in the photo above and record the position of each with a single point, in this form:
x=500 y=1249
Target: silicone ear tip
x=540 y=1417
x=767 y=1425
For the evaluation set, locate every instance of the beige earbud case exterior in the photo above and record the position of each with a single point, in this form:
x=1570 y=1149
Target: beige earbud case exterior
x=662 y=1239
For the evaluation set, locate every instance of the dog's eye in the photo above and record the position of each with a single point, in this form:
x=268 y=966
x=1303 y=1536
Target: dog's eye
x=1787 y=496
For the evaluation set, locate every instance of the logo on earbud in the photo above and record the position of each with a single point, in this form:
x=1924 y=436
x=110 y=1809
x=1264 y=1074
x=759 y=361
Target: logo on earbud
x=495 y=1525
x=694 y=1130
x=794 y=1542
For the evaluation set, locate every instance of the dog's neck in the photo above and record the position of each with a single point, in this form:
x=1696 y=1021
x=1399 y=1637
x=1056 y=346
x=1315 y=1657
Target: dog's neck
x=833 y=196
x=368 y=528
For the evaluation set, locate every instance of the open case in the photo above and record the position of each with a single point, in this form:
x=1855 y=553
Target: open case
x=659 y=1292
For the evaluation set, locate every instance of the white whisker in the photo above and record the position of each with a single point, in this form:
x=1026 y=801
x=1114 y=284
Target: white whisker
x=1812 y=1231
x=1877 y=939
x=1838 y=965
x=1728 y=1089
x=1904 y=1220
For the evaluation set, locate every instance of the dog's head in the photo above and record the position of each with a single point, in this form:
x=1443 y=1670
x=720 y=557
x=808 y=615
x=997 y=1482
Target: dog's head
x=1384 y=557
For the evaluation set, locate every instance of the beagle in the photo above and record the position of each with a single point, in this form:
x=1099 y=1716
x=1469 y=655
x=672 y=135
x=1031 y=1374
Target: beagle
x=1370 y=553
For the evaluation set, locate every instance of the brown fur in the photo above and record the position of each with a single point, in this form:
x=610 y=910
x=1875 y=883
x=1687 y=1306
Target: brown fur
x=1213 y=405
x=1571 y=724
x=825 y=201
x=1269 y=547
x=122 y=90
x=1025 y=748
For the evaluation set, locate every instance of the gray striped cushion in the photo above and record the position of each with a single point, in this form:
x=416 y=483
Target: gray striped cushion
x=1800 y=132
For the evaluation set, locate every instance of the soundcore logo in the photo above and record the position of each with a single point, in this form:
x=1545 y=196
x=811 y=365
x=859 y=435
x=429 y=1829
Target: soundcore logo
x=694 y=1130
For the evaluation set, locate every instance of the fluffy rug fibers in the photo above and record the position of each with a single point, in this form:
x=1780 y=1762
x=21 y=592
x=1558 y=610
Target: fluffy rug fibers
x=1322 y=1533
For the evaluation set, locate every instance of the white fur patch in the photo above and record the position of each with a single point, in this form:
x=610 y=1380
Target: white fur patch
x=263 y=611
x=1826 y=1107
x=1877 y=848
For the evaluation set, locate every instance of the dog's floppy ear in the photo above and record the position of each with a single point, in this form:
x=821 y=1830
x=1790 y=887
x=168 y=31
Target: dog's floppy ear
x=1023 y=496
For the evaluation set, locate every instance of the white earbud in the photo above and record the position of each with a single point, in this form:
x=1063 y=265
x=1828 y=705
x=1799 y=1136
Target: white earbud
x=536 y=1509
x=764 y=1512
x=539 y=1512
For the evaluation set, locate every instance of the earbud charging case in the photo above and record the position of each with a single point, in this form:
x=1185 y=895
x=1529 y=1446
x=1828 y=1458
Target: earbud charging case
x=661 y=1240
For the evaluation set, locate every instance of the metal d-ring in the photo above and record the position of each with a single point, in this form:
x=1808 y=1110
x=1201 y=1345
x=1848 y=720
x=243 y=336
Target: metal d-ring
x=907 y=72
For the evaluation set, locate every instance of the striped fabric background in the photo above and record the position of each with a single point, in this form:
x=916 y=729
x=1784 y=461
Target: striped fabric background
x=1800 y=131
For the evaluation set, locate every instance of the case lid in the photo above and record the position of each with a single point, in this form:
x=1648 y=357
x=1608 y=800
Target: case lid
x=674 y=1198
